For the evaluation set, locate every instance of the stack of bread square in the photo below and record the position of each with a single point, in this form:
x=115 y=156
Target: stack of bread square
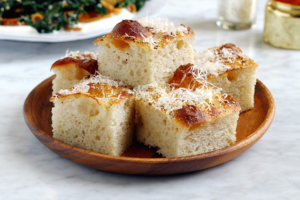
x=151 y=85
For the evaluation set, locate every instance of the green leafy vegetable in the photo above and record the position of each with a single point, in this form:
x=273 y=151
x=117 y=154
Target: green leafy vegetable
x=55 y=14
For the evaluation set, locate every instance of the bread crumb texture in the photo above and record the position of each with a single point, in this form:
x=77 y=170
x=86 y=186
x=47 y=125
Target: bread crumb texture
x=95 y=116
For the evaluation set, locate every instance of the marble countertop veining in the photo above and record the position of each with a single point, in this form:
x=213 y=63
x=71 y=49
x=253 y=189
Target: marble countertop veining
x=268 y=170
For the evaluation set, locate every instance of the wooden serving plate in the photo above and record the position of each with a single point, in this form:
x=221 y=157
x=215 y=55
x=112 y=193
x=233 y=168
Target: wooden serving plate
x=139 y=159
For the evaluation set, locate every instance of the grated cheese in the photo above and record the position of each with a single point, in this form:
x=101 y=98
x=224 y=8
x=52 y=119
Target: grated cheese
x=142 y=88
x=150 y=40
x=168 y=99
x=159 y=25
x=86 y=55
x=162 y=25
x=83 y=87
x=211 y=62
x=129 y=36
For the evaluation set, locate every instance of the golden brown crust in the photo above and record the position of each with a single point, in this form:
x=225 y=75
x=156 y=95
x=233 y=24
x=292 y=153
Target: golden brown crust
x=100 y=90
x=235 y=50
x=183 y=77
x=190 y=116
x=131 y=28
x=230 y=103
x=131 y=31
x=88 y=64
x=239 y=61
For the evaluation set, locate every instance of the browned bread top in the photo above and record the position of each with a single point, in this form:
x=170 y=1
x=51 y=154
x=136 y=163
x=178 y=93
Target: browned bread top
x=94 y=87
x=130 y=31
x=237 y=61
x=185 y=76
x=193 y=115
x=82 y=61
x=188 y=108
x=227 y=57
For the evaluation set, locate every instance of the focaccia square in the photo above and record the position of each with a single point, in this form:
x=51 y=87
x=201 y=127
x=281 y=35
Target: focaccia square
x=97 y=115
x=183 y=122
x=144 y=51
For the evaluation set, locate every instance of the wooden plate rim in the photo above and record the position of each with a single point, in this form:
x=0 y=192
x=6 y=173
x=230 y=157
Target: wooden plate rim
x=257 y=134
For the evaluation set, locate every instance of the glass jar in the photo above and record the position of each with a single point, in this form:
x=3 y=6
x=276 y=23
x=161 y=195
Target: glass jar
x=282 y=24
x=236 y=14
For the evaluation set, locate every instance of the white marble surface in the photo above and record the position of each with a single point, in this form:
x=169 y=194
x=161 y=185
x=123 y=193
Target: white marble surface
x=269 y=170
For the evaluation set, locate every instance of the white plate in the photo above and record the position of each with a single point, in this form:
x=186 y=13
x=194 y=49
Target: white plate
x=152 y=8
